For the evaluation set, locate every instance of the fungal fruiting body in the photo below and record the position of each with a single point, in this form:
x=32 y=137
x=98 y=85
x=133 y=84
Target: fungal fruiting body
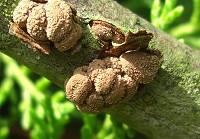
x=107 y=82
x=51 y=21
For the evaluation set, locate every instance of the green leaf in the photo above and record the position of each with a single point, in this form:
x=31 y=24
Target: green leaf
x=26 y=120
x=174 y=14
x=86 y=132
x=164 y=15
x=6 y=89
x=4 y=132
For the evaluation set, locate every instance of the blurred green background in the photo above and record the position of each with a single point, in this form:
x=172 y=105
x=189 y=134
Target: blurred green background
x=33 y=107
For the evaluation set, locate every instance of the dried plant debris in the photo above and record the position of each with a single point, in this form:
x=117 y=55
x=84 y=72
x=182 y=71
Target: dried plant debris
x=107 y=32
x=107 y=82
x=46 y=22
x=42 y=46
x=114 y=42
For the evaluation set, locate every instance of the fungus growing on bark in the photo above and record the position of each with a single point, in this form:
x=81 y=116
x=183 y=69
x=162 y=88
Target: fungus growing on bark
x=59 y=17
x=20 y=14
x=36 y=23
x=61 y=28
x=140 y=66
x=105 y=83
x=48 y=21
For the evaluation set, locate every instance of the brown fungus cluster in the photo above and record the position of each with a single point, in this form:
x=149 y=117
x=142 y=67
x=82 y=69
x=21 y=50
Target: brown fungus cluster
x=105 y=83
x=48 y=21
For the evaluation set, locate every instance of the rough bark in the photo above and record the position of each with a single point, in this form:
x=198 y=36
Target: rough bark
x=169 y=107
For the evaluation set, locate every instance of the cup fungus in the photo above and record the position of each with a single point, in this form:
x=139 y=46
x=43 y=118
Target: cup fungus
x=44 y=21
x=107 y=82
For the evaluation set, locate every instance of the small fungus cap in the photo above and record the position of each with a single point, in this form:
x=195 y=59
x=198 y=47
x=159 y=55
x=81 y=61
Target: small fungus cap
x=140 y=66
x=70 y=39
x=59 y=18
x=78 y=87
x=21 y=12
x=36 y=23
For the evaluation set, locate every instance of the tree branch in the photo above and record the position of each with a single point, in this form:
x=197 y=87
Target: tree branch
x=169 y=107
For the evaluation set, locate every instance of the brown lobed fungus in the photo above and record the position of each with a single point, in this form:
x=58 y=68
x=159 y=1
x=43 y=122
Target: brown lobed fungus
x=48 y=21
x=36 y=23
x=105 y=83
x=20 y=14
